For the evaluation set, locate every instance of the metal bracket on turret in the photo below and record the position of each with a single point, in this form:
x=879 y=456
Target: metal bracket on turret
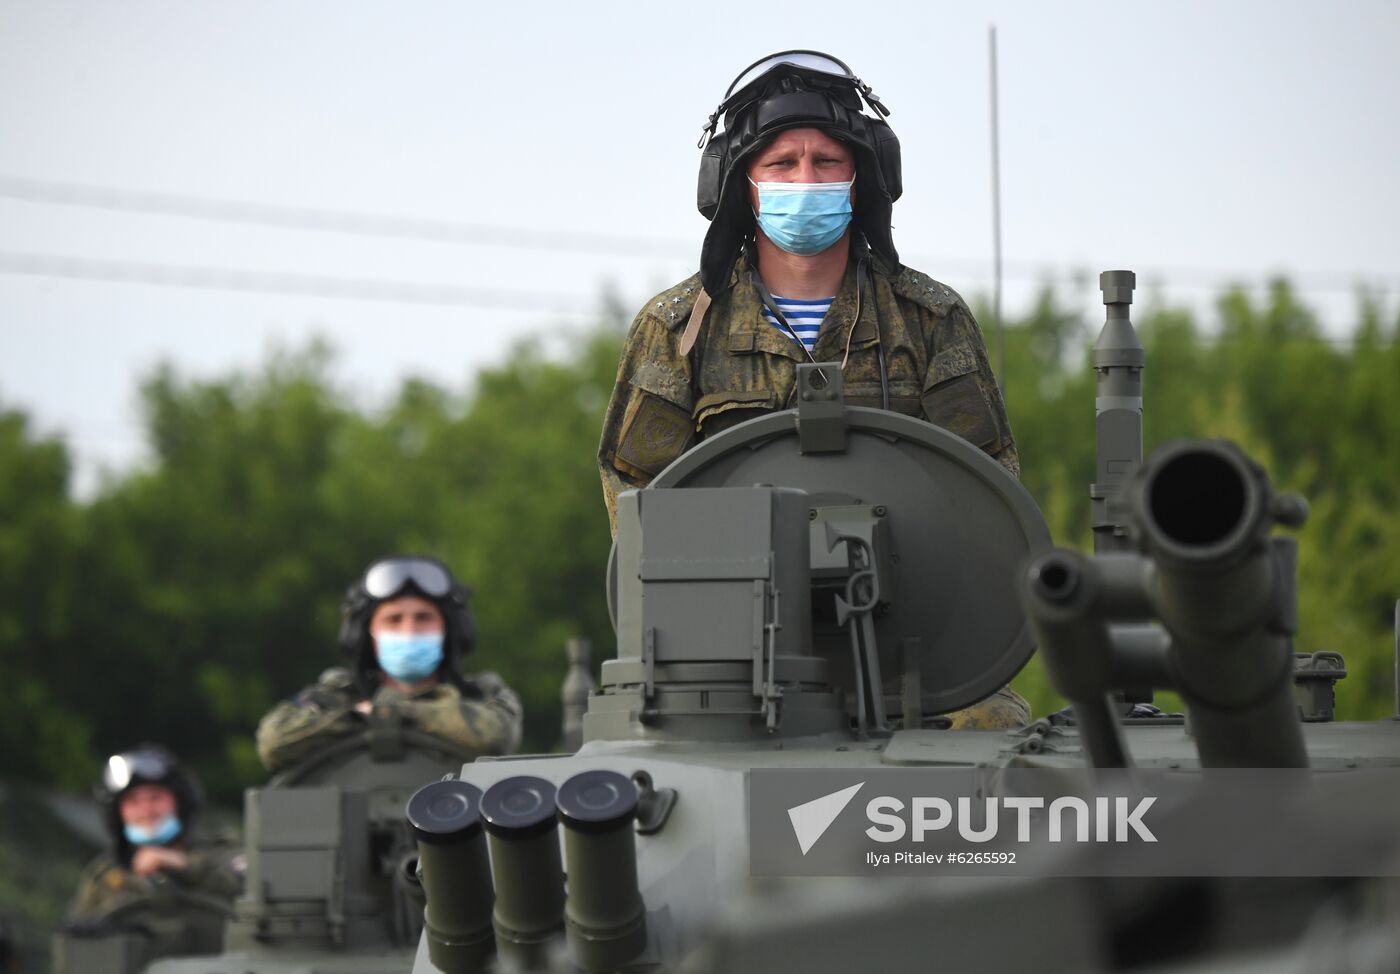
x=766 y=627
x=1315 y=677
x=855 y=609
x=654 y=804
x=821 y=410
x=1042 y=737
x=385 y=735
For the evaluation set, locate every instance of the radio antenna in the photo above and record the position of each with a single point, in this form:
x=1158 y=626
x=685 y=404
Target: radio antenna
x=996 y=214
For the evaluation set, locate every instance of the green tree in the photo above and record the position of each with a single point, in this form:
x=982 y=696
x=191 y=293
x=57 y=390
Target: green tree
x=528 y=527
x=206 y=573
x=42 y=735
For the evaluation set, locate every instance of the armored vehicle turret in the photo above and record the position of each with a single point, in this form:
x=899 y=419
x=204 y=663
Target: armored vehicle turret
x=799 y=603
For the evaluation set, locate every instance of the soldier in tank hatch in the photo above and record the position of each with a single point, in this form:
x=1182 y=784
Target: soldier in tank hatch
x=405 y=626
x=799 y=266
x=149 y=807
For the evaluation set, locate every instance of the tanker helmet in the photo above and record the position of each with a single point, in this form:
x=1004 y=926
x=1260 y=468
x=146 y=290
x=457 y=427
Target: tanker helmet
x=145 y=764
x=793 y=89
x=390 y=578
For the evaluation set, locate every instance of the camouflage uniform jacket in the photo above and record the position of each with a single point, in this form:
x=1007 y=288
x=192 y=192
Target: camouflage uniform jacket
x=486 y=720
x=741 y=367
x=106 y=884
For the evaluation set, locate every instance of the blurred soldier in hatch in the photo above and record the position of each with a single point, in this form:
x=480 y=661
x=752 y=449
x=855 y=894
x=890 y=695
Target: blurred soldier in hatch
x=149 y=807
x=799 y=266
x=405 y=626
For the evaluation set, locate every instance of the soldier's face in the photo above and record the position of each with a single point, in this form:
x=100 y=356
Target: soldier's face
x=408 y=615
x=146 y=805
x=802 y=156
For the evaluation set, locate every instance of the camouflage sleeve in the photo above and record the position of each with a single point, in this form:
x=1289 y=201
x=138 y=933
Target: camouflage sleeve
x=211 y=870
x=295 y=728
x=960 y=390
x=648 y=421
x=485 y=721
x=101 y=888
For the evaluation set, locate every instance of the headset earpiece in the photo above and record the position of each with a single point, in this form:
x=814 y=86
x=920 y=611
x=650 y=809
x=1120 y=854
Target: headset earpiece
x=711 y=177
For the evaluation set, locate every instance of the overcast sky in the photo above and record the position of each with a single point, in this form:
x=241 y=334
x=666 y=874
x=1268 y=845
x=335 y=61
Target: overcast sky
x=554 y=146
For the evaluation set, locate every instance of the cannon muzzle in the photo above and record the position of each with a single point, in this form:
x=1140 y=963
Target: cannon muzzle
x=1200 y=515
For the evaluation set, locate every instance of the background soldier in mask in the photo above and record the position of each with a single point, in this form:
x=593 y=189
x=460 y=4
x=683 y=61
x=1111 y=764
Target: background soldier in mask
x=149 y=807
x=799 y=265
x=405 y=625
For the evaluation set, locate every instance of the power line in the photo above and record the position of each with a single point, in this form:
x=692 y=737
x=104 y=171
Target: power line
x=275 y=282
x=380 y=225
x=336 y=221
x=304 y=285
x=319 y=286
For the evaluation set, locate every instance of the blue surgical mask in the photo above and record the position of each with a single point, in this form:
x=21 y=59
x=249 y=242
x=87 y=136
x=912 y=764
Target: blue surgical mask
x=409 y=656
x=162 y=833
x=804 y=218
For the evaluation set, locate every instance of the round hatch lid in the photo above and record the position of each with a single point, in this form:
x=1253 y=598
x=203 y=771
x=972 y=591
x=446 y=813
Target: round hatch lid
x=960 y=526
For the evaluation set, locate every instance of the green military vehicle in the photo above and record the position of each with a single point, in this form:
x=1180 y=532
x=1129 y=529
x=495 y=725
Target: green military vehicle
x=330 y=882
x=805 y=597
x=811 y=594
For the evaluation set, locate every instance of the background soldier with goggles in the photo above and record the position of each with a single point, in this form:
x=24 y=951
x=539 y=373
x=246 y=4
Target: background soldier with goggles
x=405 y=625
x=798 y=265
x=149 y=808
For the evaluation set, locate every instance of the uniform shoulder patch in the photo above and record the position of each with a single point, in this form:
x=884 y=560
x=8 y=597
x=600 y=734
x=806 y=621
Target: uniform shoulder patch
x=672 y=306
x=925 y=291
x=654 y=432
x=97 y=867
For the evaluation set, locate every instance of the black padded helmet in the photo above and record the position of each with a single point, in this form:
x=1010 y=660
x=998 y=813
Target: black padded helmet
x=145 y=764
x=793 y=89
x=389 y=578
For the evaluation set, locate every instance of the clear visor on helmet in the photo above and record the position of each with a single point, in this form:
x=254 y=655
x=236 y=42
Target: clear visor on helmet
x=813 y=61
x=123 y=769
x=812 y=64
x=388 y=578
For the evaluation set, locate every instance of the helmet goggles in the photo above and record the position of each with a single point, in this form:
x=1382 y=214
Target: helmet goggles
x=133 y=767
x=387 y=578
x=821 y=70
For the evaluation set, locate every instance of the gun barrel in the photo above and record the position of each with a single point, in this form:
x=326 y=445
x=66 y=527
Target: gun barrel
x=1203 y=512
x=1200 y=514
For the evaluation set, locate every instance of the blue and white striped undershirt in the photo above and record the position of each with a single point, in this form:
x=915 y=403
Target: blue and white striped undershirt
x=804 y=316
